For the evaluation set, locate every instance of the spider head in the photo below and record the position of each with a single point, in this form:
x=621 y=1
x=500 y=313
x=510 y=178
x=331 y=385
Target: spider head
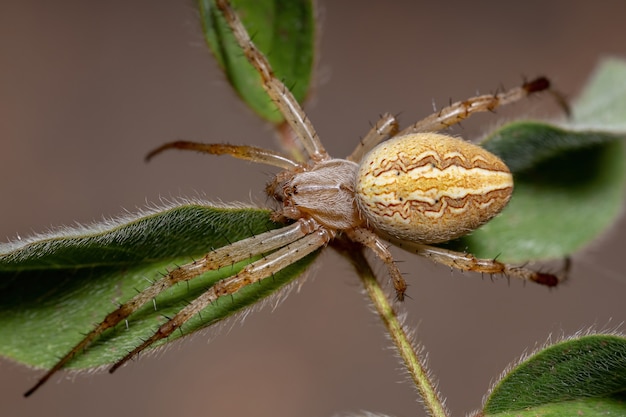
x=279 y=188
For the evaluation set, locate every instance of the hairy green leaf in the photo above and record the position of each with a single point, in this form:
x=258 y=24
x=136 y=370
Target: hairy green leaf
x=582 y=376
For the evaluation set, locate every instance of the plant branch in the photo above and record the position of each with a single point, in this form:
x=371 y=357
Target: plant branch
x=409 y=353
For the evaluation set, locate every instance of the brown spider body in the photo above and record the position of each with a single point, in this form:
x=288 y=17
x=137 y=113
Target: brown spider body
x=422 y=187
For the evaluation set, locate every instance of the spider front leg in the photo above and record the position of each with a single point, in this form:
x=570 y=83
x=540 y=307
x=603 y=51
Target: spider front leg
x=250 y=153
x=252 y=273
x=218 y=258
x=461 y=110
x=468 y=262
x=278 y=92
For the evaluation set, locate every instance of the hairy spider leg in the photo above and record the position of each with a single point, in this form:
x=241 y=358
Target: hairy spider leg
x=250 y=153
x=250 y=274
x=371 y=240
x=218 y=258
x=278 y=92
x=385 y=127
x=468 y=262
x=461 y=110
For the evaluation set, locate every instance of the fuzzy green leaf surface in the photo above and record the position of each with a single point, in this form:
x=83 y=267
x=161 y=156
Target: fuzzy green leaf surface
x=55 y=287
x=582 y=376
x=570 y=179
x=284 y=30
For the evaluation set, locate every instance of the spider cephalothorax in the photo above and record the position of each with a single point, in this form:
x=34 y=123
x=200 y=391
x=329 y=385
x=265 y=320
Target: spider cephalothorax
x=324 y=192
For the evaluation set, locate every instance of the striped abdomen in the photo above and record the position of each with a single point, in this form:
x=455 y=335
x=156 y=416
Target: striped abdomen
x=430 y=188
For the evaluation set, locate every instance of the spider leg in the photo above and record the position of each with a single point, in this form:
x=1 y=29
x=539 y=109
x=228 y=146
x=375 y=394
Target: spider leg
x=377 y=245
x=457 y=112
x=468 y=262
x=249 y=275
x=386 y=126
x=278 y=92
x=218 y=258
x=250 y=153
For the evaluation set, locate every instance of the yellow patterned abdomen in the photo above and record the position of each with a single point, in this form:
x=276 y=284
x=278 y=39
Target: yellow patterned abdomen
x=430 y=188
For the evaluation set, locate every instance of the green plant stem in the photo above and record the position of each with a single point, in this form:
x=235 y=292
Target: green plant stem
x=414 y=364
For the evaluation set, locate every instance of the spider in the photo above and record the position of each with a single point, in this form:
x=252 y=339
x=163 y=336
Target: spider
x=411 y=187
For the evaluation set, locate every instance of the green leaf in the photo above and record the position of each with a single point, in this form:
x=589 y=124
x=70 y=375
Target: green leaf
x=570 y=180
x=284 y=30
x=583 y=376
x=46 y=280
x=602 y=105
x=612 y=405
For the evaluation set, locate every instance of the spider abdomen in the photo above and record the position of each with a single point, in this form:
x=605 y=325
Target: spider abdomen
x=430 y=188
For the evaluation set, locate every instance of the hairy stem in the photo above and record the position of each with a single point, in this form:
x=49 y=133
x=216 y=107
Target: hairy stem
x=409 y=353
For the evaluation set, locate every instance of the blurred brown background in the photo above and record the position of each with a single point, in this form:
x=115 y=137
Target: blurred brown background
x=87 y=88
